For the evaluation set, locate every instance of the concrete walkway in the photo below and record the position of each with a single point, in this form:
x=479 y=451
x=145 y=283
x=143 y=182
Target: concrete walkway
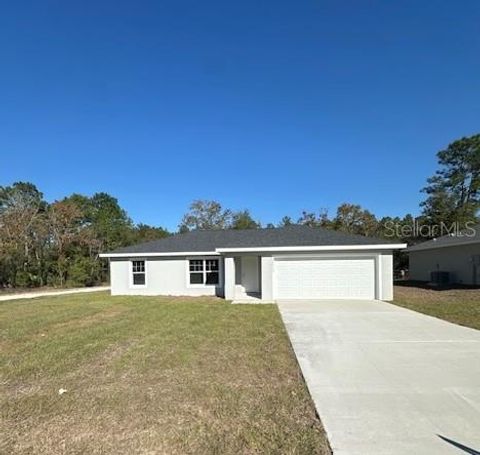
x=386 y=380
x=34 y=294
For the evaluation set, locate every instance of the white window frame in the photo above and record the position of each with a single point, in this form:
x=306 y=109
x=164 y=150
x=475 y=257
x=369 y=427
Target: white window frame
x=137 y=286
x=204 y=271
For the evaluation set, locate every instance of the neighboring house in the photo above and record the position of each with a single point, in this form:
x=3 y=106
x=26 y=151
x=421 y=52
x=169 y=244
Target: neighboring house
x=295 y=262
x=459 y=255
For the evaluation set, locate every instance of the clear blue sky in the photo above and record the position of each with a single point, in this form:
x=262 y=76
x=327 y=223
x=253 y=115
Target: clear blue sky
x=275 y=106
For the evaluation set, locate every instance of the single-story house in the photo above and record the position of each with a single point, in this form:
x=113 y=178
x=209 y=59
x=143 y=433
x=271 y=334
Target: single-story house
x=295 y=262
x=456 y=254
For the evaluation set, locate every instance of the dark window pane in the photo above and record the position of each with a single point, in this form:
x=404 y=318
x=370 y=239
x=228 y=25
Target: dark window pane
x=196 y=278
x=138 y=266
x=212 y=265
x=212 y=278
x=196 y=265
x=138 y=278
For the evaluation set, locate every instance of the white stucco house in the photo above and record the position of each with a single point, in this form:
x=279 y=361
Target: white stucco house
x=295 y=262
x=457 y=254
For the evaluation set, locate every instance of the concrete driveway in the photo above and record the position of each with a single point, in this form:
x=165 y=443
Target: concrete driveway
x=386 y=380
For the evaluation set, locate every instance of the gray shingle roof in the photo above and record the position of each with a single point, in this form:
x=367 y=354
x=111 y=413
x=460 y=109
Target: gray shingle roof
x=196 y=241
x=465 y=237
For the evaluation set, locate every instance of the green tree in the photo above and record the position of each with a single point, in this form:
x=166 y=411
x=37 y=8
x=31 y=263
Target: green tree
x=243 y=220
x=206 y=215
x=453 y=193
x=308 y=219
x=21 y=243
x=58 y=243
x=102 y=225
x=109 y=221
x=66 y=223
x=313 y=220
x=354 y=219
x=286 y=221
x=83 y=271
x=145 y=233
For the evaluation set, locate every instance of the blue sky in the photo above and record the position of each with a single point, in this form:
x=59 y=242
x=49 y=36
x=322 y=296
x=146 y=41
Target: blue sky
x=273 y=106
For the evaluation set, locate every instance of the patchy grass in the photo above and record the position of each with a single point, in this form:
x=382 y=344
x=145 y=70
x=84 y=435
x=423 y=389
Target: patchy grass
x=461 y=306
x=150 y=375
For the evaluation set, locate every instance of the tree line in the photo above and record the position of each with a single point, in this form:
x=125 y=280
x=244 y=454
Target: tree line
x=349 y=218
x=58 y=243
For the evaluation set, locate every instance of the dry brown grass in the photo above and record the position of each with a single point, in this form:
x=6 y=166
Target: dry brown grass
x=150 y=375
x=461 y=306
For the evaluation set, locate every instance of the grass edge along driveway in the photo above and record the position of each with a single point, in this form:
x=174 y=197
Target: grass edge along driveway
x=460 y=306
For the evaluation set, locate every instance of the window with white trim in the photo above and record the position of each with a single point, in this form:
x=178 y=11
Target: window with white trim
x=138 y=273
x=204 y=271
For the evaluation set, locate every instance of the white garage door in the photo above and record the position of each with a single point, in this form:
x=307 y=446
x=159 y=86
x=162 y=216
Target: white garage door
x=326 y=278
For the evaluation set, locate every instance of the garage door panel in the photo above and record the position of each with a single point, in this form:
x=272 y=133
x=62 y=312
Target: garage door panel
x=332 y=278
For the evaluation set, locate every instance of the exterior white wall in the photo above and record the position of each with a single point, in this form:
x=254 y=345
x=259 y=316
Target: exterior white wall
x=169 y=275
x=455 y=259
x=266 y=269
x=229 y=273
x=164 y=276
x=386 y=276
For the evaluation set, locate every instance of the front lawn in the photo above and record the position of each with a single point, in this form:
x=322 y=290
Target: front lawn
x=461 y=306
x=150 y=375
